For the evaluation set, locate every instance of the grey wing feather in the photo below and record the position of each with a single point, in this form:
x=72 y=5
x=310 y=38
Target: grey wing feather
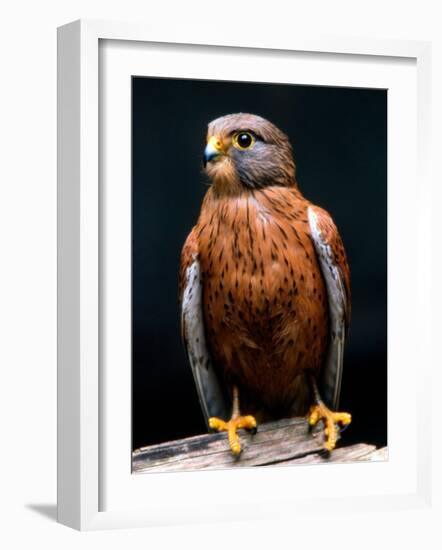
x=210 y=392
x=330 y=381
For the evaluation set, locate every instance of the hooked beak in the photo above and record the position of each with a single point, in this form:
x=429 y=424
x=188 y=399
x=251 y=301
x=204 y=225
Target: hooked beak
x=214 y=150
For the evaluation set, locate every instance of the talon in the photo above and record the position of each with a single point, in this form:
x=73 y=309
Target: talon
x=343 y=418
x=235 y=445
x=331 y=421
x=232 y=427
x=313 y=418
x=343 y=427
x=246 y=422
x=217 y=424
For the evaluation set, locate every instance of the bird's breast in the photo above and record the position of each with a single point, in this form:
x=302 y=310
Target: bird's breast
x=254 y=255
x=263 y=294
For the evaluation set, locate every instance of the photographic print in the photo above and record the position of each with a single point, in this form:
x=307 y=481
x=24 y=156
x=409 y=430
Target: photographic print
x=259 y=274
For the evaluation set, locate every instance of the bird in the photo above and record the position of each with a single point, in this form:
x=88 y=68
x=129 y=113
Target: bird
x=264 y=287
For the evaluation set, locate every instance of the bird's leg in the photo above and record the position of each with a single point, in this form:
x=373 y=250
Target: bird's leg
x=319 y=411
x=235 y=423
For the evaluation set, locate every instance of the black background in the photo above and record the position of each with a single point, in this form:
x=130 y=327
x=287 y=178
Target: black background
x=339 y=136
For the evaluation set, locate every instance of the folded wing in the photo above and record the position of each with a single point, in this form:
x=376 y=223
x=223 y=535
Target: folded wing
x=212 y=399
x=332 y=260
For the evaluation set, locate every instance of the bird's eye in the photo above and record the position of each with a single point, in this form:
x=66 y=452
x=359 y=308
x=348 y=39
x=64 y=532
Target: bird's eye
x=243 y=140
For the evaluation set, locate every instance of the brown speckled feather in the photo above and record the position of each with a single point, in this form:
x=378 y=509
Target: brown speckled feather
x=265 y=304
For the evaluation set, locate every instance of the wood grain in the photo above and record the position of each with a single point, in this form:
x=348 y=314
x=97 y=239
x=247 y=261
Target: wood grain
x=284 y=442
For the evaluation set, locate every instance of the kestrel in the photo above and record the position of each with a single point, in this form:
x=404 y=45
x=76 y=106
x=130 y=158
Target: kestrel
x=264 y=288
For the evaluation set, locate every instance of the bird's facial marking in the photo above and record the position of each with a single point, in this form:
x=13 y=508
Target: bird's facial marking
x=220 y=146
x=245 y=151
x=222 y=151
x=219 y=166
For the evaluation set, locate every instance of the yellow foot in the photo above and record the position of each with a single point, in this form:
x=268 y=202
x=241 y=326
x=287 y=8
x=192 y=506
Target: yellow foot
x=331 y=419
x=231 y=427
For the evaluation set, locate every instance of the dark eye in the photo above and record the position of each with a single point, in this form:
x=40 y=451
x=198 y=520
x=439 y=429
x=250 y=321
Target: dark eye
x=243 y=140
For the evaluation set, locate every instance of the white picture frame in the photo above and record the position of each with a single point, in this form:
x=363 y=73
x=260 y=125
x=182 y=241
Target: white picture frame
x=83 y=448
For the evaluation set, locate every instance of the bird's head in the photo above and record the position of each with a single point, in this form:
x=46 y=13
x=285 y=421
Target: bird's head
x=247 y=151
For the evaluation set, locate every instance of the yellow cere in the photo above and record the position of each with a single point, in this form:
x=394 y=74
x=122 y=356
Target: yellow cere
x=216 y=143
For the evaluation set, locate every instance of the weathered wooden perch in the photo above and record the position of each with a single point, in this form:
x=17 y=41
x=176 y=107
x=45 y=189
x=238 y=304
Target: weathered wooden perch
x=280 y=443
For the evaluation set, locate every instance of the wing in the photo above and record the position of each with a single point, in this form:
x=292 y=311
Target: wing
x=333 y=262
x=212 y=399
